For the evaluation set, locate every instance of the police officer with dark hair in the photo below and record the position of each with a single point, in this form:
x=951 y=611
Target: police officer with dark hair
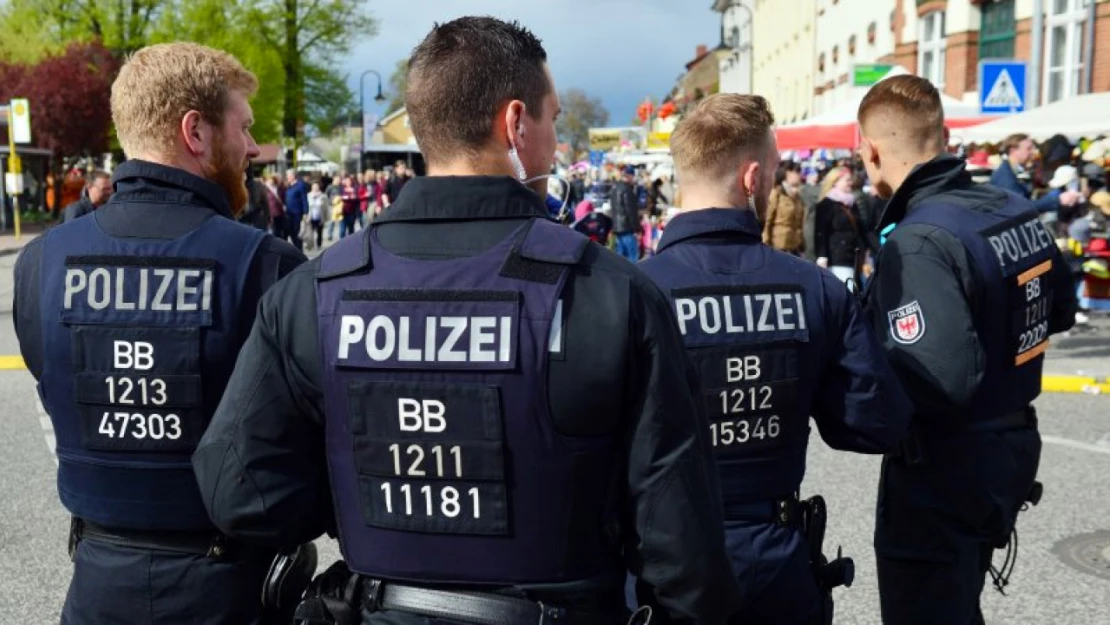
x=775 y=340
x=967 y=289
x=494 y=416
x=131 y=319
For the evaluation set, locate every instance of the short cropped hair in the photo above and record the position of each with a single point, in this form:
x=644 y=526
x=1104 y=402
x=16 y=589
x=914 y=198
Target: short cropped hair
x=720 y=131
x=97 y=174
x=461 y=75
x=912 y=102
x=1011 y=142
x=160 y=84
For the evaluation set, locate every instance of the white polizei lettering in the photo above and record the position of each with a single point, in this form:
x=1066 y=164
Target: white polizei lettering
x=555 y=336
x=505 y=350
x=350 y=333
x=405 y=353
x=206 y=291
x=144 y=287
x=76 y=281
x=748 y=312
x=708 y=308
x=121 y=300
x=100 y=288
x=159 y=302
x=782 y=307
x=1011 y=245
x=183 y=288
x=481 y=334
x=730 y=327
x=999 y=248
x=447 y=352
x=765 y=299
x=374 y=349
x=686 y=311
x=430 y=329
x=801 y=311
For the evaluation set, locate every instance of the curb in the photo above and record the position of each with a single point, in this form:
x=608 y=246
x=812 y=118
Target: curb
x=1089 y=385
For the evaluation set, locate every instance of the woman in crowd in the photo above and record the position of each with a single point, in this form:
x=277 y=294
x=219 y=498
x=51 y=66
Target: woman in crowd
x=782 y=226
x=839 y=235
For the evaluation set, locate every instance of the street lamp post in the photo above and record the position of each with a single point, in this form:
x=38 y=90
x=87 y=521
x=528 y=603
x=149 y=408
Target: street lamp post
x=362 y=111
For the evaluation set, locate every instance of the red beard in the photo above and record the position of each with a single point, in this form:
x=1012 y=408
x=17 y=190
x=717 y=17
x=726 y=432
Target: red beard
x=229 y=176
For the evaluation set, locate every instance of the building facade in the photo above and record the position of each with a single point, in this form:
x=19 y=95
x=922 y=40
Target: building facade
x=944 y=40
x=849 y=33
x=736 y=39
x=784 y=56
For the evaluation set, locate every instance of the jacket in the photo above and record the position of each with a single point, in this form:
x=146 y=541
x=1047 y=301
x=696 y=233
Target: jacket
x=782 y=227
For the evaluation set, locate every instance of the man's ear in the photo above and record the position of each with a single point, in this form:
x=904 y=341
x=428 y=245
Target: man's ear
x=196 y=133
x=514 y=126
x=869 y=152
x=749 y=177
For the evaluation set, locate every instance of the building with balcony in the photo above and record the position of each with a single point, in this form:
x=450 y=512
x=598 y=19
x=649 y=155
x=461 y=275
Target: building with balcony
x=784 y=59
x=736 y=38
x=850 y=35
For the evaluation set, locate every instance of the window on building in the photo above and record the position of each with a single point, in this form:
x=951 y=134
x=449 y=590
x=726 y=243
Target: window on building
x=734 y=38
x=1063 y=67
x=930 y=48
x=996 y=36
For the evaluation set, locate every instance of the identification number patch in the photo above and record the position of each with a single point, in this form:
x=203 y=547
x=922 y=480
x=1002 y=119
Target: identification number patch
x=907 y=323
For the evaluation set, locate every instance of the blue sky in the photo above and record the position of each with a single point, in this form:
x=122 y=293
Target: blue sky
x=618 y=50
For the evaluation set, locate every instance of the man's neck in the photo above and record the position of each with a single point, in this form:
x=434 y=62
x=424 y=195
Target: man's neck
x=482 y=165
x=694 y=201
x=170 y=161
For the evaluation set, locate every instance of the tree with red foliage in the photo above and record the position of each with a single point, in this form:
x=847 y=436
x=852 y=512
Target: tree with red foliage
x=69 y=96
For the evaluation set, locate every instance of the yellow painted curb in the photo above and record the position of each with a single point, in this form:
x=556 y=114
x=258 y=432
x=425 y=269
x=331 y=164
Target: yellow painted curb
x=1074 y=384
x=12 y=362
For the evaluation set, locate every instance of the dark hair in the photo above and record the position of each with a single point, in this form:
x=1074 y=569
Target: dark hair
x=461 y=75
x=784 y=168
x=97 y=174
x=914 y=104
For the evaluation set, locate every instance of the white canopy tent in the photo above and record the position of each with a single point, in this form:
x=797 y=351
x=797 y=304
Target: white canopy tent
x=1076 y=117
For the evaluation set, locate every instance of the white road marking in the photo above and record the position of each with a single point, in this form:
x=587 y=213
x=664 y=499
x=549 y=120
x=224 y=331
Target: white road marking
x=47 y=430
x=1099 y=448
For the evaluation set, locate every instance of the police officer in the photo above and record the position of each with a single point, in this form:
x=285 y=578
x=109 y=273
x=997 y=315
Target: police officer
x=500 y=410
x=775 y=339
x=967 y=289
x=131 y=319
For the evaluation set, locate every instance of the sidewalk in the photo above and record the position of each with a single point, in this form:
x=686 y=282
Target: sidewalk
x=1078 y=361
x=8 y=243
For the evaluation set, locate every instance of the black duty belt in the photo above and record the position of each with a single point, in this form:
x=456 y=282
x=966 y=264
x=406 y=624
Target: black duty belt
x=782 y=512
x=1017 y=420
x=202 y=543
x=469 y=607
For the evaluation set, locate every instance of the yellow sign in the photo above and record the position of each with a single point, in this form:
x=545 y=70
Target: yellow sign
x=21 y=121
x=659 y=140
x=604 y=139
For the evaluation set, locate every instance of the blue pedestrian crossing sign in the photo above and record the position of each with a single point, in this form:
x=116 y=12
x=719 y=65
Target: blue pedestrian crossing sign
x=1002 y=86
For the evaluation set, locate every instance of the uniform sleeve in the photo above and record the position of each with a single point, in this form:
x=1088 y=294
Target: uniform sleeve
x=260 y=464
x=860 y=405
x=25 y=307
x=923 y=319
x=680 y=556
x=1065 y=301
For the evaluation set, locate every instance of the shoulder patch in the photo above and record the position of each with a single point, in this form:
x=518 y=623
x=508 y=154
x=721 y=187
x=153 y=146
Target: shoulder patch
x=907 y=323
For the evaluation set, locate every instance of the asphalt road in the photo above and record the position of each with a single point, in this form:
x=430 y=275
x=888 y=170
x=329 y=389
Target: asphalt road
x=35 y=570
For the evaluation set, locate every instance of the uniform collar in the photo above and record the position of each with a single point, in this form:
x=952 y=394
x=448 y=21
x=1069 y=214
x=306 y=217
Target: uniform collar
x=450 y=198
x=143 y=180
x=942 y=173
x=698 y=223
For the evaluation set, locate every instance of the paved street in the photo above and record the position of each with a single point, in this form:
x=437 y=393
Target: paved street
x=34 y=568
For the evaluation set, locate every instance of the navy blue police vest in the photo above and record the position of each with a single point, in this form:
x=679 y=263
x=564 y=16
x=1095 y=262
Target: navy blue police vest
x=1012 y=256
x=756 y=338
x=444 y=461
x=140 y=337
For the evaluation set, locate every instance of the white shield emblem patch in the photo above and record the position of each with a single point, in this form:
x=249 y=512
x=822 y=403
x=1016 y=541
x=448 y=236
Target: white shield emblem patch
x=907 y=324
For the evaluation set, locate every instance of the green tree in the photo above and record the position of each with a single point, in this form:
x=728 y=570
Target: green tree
x=398 y=81
x=580 y=113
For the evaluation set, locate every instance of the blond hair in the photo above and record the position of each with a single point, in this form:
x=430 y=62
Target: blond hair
x=830 y=180
x=712 y=139
x=160 y=84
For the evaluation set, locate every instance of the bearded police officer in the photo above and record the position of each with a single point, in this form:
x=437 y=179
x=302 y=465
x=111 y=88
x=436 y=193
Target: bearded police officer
x=775 y=340
x=131 y=319
x=500 y=411
x=968 y=287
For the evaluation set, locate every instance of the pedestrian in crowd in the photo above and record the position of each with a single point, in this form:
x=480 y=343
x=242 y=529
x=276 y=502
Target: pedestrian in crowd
x=349 y=196
x=97 y=191
x=964 y=314
x=277 y=209
x=131 y=319
x=783 y=223
x=625 y=210
x=594 y=225
x=296 y=207
x=815 y=355
x=257 y=213
x=656 y=200
x=317 y=209
x=551 y=486
x=811 y=195
x=839 y=234
x=1014 y=174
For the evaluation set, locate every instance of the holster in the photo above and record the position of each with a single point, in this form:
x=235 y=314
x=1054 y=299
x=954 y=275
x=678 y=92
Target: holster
x=289 y=576
x=828 y=574
x=333 y=598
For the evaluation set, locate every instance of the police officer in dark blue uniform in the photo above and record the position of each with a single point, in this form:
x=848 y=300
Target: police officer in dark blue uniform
x=967 y=289
x=131 y=319
x=775 y=340
x=495 y=416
